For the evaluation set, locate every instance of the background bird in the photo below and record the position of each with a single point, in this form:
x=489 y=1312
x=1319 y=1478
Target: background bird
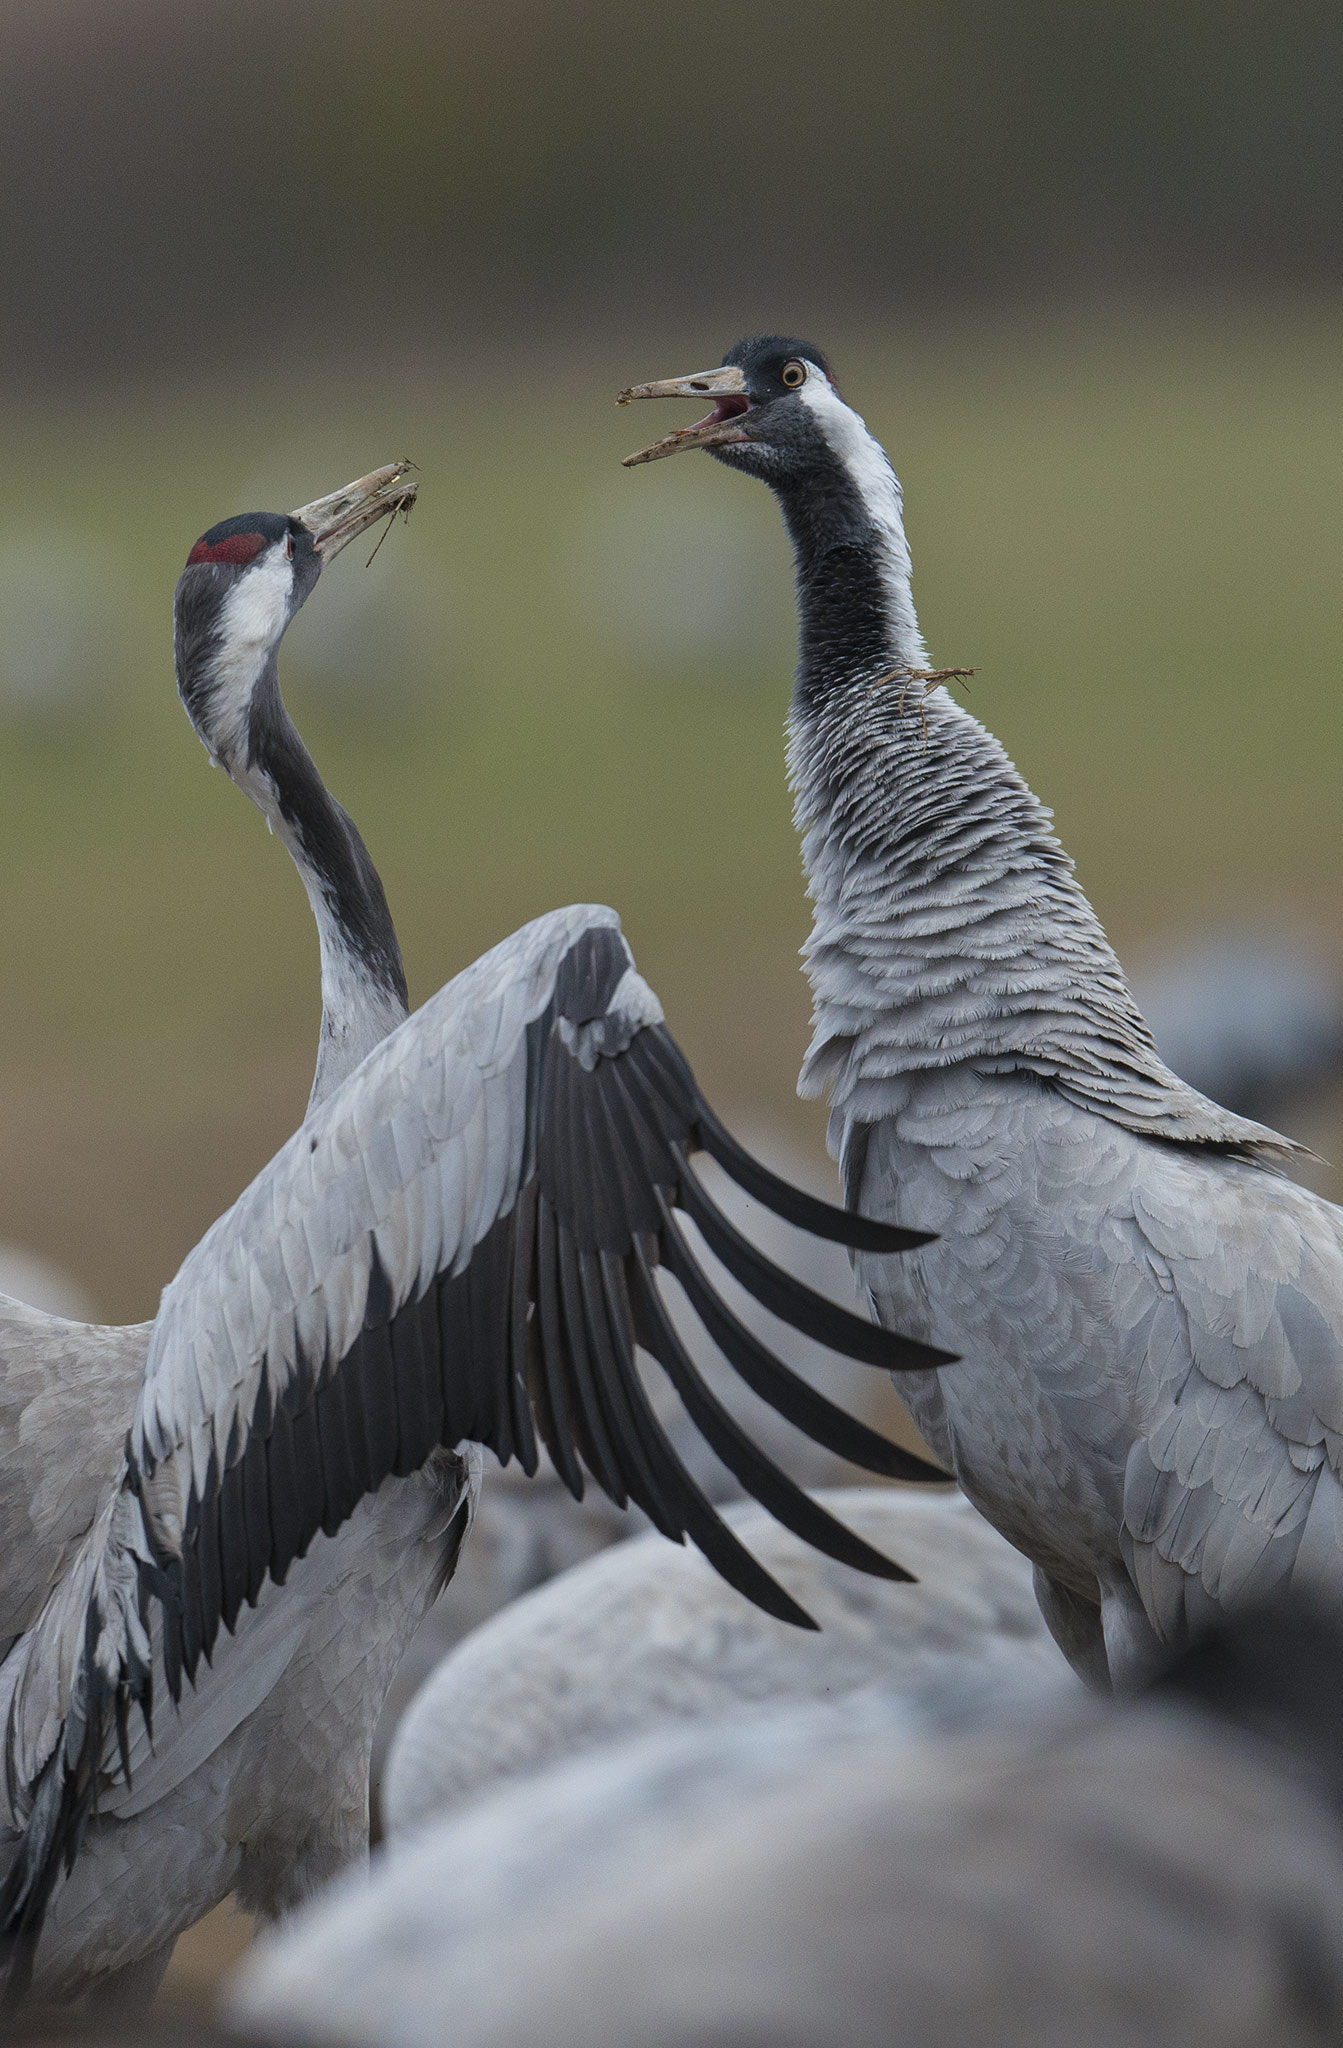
x=641 y=1639
x=457 y=1247
x=1165 y=1870
x=1253 y=1018
x=1150 y=1403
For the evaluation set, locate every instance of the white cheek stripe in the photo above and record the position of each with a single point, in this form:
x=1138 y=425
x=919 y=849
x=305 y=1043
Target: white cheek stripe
x=879 y=488
x=251 y=620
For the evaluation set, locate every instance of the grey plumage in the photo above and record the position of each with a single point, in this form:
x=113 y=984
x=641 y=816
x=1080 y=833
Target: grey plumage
x=1150 y=1318
x=1165 y=1872
x=527 y=1530
x=68 y=1390
x=457 y=1249
x=643 y=1638
x=67 y=1393
x=950 y=928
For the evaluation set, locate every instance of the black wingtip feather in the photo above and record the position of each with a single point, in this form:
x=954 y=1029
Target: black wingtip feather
x=786 y=1391
x=838 y=1328
x=760 y=1477
x=807 y=1212
x=560 y=1442
x=706 y=1530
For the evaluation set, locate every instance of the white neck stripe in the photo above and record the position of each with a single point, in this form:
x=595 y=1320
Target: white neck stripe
x=252 y=619
x=876 y=483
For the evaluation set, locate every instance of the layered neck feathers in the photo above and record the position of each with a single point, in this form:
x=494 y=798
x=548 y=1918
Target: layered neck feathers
x=949 y=925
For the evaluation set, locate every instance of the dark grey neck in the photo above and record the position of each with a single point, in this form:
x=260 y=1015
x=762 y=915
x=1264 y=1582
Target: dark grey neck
x=364 y=993
x=855 y=607
x=949 y=925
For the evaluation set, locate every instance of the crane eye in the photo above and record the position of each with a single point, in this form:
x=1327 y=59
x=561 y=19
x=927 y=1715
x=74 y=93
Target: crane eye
x=793 y=374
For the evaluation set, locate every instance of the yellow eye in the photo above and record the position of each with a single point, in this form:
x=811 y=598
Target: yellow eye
x=793 y=374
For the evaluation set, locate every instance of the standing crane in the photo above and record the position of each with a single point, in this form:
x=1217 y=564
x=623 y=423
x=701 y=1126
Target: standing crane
x=457 y=1250
x=1150 y=1317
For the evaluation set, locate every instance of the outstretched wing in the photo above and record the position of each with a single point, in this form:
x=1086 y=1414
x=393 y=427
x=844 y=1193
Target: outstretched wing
x=461 y=1243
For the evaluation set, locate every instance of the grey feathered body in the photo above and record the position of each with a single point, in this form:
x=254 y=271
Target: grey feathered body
x=350 y=1318
x=1150 y=1402
x=1149 y=1317
x=67 y=1395
x=640 y=1639
x=1093 y=1877
x=259 y=1785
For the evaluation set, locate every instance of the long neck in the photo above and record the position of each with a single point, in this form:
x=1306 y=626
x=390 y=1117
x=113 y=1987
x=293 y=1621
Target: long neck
x=949 y=926
x=846 y=523
x=363 y=981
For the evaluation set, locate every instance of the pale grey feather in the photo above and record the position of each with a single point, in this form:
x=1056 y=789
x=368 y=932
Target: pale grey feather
x=367 y=1168
x=644 y=1637
x=1150 y=1319
x=67 y=1395
x=949 y=925
x=258 y=1785
x=1150 y=1876
x=1145 y=1335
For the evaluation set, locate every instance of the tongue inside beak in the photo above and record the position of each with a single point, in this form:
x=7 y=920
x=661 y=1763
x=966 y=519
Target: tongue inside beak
x=729 y=407
x=715 y=430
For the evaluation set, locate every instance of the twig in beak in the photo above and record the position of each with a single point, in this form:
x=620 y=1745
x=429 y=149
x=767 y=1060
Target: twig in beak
x=403 y=506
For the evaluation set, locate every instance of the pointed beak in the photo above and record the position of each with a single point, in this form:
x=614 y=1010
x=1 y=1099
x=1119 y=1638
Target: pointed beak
x=340 y=518
x=727 y=386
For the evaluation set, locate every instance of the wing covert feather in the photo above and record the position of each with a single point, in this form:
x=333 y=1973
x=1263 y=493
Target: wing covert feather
x=449 y=1247
x=1230 y=1487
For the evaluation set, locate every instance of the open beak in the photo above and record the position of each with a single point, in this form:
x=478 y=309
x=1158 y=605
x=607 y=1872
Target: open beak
x=336 y=520
x=727 y=386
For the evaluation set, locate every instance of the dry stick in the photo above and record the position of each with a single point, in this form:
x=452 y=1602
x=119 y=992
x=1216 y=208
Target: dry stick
x=403 y=506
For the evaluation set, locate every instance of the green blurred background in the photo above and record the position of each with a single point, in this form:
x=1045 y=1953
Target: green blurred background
x=1080 y=269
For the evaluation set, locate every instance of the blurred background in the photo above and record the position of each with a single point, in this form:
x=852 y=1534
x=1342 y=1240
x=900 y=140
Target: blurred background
x=1080 y=267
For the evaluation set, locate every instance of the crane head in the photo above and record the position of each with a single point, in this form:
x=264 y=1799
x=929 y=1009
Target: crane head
x=243 y=582
x=769 y=394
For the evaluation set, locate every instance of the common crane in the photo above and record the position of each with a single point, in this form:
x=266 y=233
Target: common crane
x=456 y=1250
x=68 y=1388
x=1150 y=1317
